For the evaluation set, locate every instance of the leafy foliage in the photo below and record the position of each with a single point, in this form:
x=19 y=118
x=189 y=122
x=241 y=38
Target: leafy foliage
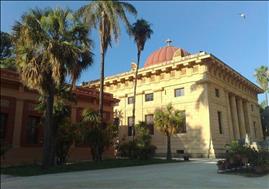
x=50 y=46
x=141 y=147
x=106 y=17
x=141 y=32
x=240 y=156
x=7 y=56
x=262 y=77
x=91 y=133
x=168 y=121
x=66 y=134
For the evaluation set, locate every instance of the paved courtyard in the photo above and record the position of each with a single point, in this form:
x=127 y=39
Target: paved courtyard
x=195 y=174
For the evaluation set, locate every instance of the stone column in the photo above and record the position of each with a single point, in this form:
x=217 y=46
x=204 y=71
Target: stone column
x=247 y=118
x=250 y=121
x=259 y=127
x=234 y=117
x=229 y=117
x=241 y=119
x=18 y=123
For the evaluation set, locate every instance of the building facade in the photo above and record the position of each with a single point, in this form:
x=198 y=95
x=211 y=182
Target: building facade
x=220 y=104
x=20 y=122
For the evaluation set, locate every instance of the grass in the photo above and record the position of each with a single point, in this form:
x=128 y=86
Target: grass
x=31 y=170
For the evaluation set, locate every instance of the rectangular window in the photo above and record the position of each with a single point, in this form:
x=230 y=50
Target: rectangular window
x=149 y=122
x=183 y=127
x=130 y=126
x=3 y=125
x=220 y=122
x=130 y=100
x=217 y=92
x=149 y=97
x=179 y=92
x=32 y=130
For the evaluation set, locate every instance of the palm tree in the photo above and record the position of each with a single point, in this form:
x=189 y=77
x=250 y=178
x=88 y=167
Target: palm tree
x=262 y=76
x=141 y=31
x=49 y=45
x=168 y=121
x=105 y=15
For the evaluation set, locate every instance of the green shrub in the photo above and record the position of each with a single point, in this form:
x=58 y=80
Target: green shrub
x=239 y=155
x=66 y=134
x=128 y=149
x=134 y=151
x=146 y=152
x=141 y=147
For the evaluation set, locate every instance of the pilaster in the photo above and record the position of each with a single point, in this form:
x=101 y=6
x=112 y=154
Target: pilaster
x=241 y=119
x=18 y=123
x=234 y=117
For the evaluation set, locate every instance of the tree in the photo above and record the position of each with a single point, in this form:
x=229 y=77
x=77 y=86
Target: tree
x=49 y=45
x=262 y=77
x=143 y=136
x=168 y=121
x=105 y=15
x=7 y=57
x=141 y=31
x=98 y=138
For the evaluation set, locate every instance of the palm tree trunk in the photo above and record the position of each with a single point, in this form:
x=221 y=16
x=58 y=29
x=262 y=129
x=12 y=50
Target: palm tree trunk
x=134 y=97
x=266 y=98
x=48 y=151
x=98 y=153
x=102 y=68
x=101 y=94
x=168 y=154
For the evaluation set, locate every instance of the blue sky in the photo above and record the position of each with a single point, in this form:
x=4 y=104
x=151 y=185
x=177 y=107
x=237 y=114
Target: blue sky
x=214 y=27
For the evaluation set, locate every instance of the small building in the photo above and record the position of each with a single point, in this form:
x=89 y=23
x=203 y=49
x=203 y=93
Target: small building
x=20 y=120
x=220 y=104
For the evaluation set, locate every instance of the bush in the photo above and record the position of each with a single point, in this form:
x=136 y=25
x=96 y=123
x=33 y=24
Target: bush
x=141 y=147
x=65 y=136
x=240 y=156
x=133 y=151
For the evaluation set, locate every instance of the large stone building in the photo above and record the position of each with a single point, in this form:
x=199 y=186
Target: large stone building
x=220 y=104
x=21 y=128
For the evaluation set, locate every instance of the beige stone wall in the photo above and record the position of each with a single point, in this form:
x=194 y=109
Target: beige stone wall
x=194 y=102
x=199 y=75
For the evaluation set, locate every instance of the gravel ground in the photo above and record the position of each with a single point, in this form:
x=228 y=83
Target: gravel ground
x=199 y=173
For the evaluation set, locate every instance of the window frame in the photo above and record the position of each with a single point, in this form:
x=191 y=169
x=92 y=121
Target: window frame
x=130 y=126
x=150 y=99
x=37 y=130
x=130 y=100
x=220 y=125
x=150 y=126
x=180 y=89
x=184 y=130
x=4 y=125
x=217 y=92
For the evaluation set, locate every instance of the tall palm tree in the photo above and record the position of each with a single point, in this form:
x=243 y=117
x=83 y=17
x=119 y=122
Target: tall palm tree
x=141 y=31
x=105 y=16
x=168 y=121
x=49 y=45
x=262 y=76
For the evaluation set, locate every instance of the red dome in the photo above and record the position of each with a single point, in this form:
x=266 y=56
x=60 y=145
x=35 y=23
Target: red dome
x=162 y=55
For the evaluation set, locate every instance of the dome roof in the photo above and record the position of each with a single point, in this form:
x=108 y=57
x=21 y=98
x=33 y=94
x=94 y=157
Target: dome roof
x=164 y=54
